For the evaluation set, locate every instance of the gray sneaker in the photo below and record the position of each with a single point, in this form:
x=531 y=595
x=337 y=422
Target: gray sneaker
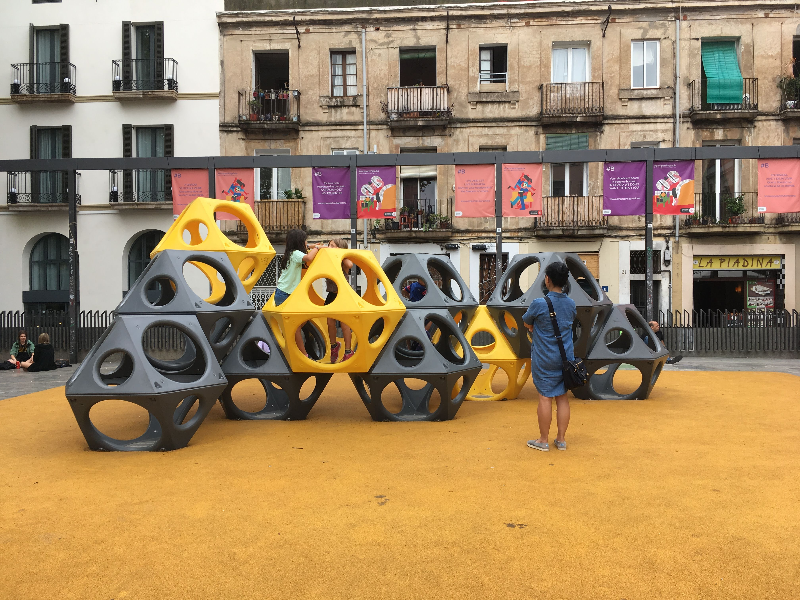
x=537 y=445
x=560 y=445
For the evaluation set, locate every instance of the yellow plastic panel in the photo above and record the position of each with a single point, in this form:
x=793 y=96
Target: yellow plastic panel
x=250 y=261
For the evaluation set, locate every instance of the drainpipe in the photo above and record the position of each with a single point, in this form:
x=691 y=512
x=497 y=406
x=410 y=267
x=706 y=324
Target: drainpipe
x=364 y=101
x=677 y=140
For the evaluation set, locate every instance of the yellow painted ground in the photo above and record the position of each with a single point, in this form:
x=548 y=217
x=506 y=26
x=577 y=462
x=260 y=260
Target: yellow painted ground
x=694 y=493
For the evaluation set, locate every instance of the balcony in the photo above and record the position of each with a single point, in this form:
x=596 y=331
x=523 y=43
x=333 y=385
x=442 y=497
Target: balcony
x=279 y=216
x=43 y=82
x=142 y=187
x=701 y=110
x=414 y=226
x=144 y=79
x=572 y=102
x=417 y=106
x=269 y=109
x=725 y=211
x=38 y=189
x=571 y=213
x=790 y=97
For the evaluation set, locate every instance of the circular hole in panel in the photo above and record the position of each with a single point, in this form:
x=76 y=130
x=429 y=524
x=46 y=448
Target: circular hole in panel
x=186 y=412
x=313 y=340
x=446 y=278
x=595 y=325
x=585 y=280
x=626 y=381
x=256 y=353
x=214 y=286
x=500 y=381
x=602 y=370
x=308 y=388
x=371 y=292
x=249 y=395
x=413 y=289
x=120 y=419
x=409 y=352
x=318 y=291
x=115 y=368
x=392 y=399
x=222 y=332
x=392 y=268
x=160 y=291
x=376 y=331
x=508 y=324
x=247 y=269
x=523 y=374
x=435 y=401
x=519 y=279
x=173 y=353
x=194 y=233
x=618 y=341
x=482 y=340
x=642 y=329
x=446 y=340
x=414 y=383
x=577 y=331
x=196 y=279
x=461 y=320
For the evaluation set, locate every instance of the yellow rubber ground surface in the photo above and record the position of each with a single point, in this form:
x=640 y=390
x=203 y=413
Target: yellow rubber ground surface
x=694 y=493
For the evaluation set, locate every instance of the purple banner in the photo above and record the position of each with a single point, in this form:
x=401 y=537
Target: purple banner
x=330 y=189
x=624 y=188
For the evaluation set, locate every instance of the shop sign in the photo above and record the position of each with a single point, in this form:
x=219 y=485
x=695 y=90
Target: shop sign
x=760 y=294
x=717 y=263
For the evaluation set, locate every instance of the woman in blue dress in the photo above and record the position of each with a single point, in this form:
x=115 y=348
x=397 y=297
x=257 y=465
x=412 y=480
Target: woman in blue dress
x=546 y=356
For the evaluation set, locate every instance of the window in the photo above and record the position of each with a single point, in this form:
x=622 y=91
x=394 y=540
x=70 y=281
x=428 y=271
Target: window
x=340 y=151
x=796 y=56
x=492 y=148
x=343 y=74
x=273 y=182
x=493 y=64
x=570 y=64
x=150 y=183
x=417 y=67
x=645 y=144
x=46 y=143
x=721 y=180
x=644 y=64
x=568 y=179
x=143 y=56
x=50 y=263
x=139 y=255
x=419 y=183
x=272 y=70
x=722 y=79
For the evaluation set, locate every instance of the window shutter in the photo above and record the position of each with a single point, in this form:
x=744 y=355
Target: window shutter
x=127 y=50
x=66 y=141
x=561 y=141
x=127 y=152
x=31 y=53
x=159 y=70
x=169 y=146
x=34 y=150
x=63 y=48
x=34 y=154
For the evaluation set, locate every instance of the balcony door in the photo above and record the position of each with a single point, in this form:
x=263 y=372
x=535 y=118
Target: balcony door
x=721 y=180
x=47 y=56
x=570 y=64
x=418 y=67
x=150 y=183
x=145 y=53
x=273 y=182
x=49 y=186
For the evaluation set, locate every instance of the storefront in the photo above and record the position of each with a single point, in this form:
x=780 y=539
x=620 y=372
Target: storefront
x=737 y=282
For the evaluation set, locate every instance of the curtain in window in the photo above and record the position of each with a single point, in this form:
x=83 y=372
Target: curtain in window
x=150 y=183
x=579 y=61
x=651 y=64
x=637 y=64
x=721 y=67
x=48 y=145
x=560 y=65
x=47 y=58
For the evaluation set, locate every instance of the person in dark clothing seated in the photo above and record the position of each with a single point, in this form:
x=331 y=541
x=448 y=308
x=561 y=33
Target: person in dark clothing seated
x=44 y=359
x=657 y=330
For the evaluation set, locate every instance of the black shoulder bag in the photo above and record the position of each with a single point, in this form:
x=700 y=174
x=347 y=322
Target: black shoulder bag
x=574 y=371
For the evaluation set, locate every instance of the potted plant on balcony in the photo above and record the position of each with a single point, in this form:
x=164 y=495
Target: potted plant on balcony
x=254 y=106
x=790 y=89
x=288 y=194
x=298 y=194
x=734 y=206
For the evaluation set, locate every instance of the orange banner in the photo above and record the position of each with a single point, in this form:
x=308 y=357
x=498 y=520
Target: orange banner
x=235 y=185
x=474 y=191
x=187 y=185
x=779 y=185
x=522 y=190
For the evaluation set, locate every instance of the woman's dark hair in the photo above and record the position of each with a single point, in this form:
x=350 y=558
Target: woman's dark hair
x=21 y=333
x=558 y=272
x=295 y=240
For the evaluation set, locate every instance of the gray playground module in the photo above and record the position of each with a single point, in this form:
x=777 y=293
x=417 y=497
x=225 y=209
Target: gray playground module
x=411 y=353
x=605 y=335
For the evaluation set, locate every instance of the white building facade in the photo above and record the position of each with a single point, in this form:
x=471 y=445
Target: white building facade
x=85 y=79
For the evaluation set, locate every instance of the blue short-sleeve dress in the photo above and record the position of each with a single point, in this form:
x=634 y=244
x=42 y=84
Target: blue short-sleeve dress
x=545 y=355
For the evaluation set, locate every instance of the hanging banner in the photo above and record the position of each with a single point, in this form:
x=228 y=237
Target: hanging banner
x=187 y=185
x=235 y=185
x=377 y=192
x=779 y=185
x=474 y=191
x=673 y=184
x=330 y=188
x=522 y=190
x=624 y=188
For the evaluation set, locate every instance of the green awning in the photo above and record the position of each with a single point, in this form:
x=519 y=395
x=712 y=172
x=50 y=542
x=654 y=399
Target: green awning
x=723 y=77
x=566 y=141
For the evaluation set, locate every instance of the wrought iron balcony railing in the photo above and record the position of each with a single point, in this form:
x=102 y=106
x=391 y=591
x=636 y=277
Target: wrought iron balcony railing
x=571 y=212
x=572 y=99
x=727 y=209
x=749 y=102
x=143 y=185
x=269 y=106
x=43 y=78
x=138 y=75
x=37 y=187
x=279 y=215
x=486 y=77
x=418 y=102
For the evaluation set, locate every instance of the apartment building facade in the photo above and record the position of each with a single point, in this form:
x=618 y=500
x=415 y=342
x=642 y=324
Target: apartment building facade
x=530 y=76
x=88 y=79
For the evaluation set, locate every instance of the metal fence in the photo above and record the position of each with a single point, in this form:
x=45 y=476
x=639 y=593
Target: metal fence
x=571 y=212
x=732 y=334
x=43 y=78
x=748 y=85
x=577 y=99
x=269 y=105
x=417 y=102
x=135 y=75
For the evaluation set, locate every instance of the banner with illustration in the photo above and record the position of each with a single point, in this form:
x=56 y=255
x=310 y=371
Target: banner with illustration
x=377 y=192
x=235 y=185
x=779 y=185
x=673 y=184
x=187 y=185
x=330 y=188
x=522 y=190
x=474 y=191
x=624 y=186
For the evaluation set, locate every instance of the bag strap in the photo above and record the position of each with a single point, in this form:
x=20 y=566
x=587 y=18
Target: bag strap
x=556 y=330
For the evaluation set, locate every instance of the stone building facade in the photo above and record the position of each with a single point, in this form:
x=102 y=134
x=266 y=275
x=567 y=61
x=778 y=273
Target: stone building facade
x=531 y=76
